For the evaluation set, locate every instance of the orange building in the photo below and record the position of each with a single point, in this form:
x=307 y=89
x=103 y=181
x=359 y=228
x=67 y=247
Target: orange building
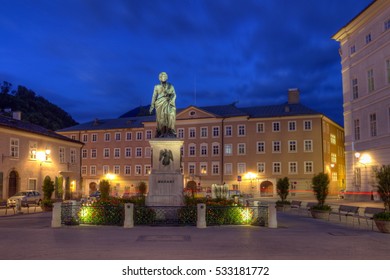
x=247 y=149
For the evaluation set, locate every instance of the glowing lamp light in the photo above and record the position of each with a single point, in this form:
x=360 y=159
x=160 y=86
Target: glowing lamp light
x=110 y=176
x=365 y=159
x=41 y=156
x=250 y=176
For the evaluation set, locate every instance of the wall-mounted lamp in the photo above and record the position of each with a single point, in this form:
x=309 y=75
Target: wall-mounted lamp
x=42 y=156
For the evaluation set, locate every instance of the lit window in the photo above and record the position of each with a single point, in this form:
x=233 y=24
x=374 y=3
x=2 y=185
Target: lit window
x=261 y=167
x=228 y=149
x=241 y=168
x=308 y=145
x=228 y=169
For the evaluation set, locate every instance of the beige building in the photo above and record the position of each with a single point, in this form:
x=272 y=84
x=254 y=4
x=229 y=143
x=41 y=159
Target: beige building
x=365 y=59
x=29 y=153
x=246 y=148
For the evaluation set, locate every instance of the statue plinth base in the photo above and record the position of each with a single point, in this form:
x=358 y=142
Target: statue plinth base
x=165 y=181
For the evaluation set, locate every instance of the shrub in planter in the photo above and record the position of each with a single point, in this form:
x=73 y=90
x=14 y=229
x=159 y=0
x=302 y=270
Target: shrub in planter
x=382 y=220
x=320 y=185
x=104 y=188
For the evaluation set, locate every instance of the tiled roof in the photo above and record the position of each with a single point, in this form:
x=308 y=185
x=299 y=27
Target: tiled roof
x=224 y=110
x=279 y=110
x=32 y=128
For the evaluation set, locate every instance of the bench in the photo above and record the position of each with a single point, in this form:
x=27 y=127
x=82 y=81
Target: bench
x=31 y=204
x=309 y=205
x=369 y=213
x=295 y=204
x=4 y=205
x=348 y=210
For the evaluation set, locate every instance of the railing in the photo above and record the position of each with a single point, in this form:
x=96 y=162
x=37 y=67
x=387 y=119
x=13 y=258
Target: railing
x=75 y=214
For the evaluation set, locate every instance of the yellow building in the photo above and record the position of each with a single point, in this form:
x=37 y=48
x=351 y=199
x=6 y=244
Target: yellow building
x=29 y=153
x=246 y=148
x=365 y=59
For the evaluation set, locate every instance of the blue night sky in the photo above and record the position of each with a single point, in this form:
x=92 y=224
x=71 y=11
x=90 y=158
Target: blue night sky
x=99 y=59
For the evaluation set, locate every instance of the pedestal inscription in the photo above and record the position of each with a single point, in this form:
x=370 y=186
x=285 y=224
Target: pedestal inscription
x=165 y=180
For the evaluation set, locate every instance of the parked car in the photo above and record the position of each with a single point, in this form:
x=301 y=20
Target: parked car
x=26 y=197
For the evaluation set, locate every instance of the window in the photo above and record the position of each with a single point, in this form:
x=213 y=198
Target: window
x=203 y=168
x=148 y=134
x=148 y=152
x=260 y=127
x=228 y=169
x=352 y=49
x=333 y=157
x=241 y=149
x=72 y=156
x=241 y=168
x=203 y=149
x=147 y=169
x=333 y=139
x=138 y=135
x=228 y=149
x=191 y=150
x=334 y=176
x=356 y=124
x=191 y=132
x=128 y=136
x=117 y=169
x=293 y=167
x=276 y=126
x=276 y=147
x=94 y=137
x=191 y=168
x=117 y=153
x=292 y=146
x=62 y=154
x=261 y=147
x=228 y=130
x=387 y=24
x=14 y=147
x=180 y=133
x=215 y=149
x=216 y=131
x=308 y=145
x=93 y=153
x=84 y=153
x=127 y=169
x=292 y=126
x=85 y=138
x=138 y=170
x=358 y=177
x=106 y=153
x=241 y=130
x=308 y=167
x=355 y=88
x=92 y=169
x=373 y=131
x=388 y=70
x=203 y=132
x=107 y=137
x=83 y=170
x=370 y=80
x=306 y=125
x=138 y=152
x=368 y=38
x=117 y=136
x=33 y=150
x=73 y=137
x=276 y=167
x=215 y=168
x=127 y=152
x=261 y=167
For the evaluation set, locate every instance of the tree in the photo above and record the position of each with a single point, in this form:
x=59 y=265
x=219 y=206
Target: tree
x=282 y=186
x=5 y=88
x=47 y=188
x=383 y=185
x=320 y=187
x=104 y=188
x=142 y=187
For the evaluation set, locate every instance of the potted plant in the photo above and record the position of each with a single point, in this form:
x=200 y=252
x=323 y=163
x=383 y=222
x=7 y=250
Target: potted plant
x=47 y=189
x=382 y=220
x=282 y=186
x=320 y=185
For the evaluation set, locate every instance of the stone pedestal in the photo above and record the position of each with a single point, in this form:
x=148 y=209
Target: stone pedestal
x=165 y=180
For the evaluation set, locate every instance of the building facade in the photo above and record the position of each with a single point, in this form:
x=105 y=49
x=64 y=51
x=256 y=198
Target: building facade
x=29 y=153
x=247 y=149
x=365 y=59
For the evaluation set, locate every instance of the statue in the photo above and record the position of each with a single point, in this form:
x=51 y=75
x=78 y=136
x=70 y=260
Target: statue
x=166 y=157
x=163 y=101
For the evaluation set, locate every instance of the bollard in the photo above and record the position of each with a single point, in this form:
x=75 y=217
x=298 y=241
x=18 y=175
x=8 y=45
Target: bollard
x=18 y=206
x=129 y=215
x=201 y=216
x=56 y=215
x=272 y=220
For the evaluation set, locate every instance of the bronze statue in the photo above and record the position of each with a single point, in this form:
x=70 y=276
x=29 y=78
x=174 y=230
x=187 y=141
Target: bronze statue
x=163 y=101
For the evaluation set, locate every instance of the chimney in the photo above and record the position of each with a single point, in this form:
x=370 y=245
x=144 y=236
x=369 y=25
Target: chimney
x=293 y=96
x=17 y=115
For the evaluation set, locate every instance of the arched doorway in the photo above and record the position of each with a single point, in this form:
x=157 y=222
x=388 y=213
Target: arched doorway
x=92 y=187
x=12 y=183
x=266 y=189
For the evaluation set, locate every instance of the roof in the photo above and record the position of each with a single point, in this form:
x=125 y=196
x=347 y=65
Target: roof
x=224 y=111
x=15 y=124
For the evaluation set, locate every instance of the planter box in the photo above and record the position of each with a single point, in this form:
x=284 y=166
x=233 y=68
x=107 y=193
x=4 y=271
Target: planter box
x=320 y=214
x=383 y=226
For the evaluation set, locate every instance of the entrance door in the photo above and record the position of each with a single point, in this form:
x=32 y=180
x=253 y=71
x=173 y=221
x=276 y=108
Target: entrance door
x=266 y=189
x=12 y=183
